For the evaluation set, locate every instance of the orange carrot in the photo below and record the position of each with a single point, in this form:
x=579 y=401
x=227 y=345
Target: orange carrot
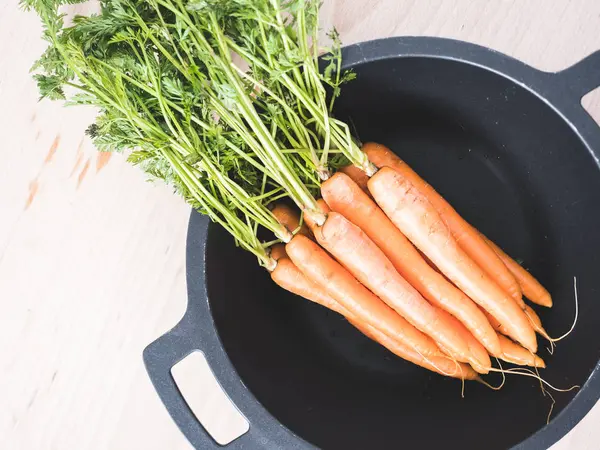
x=536 y=322
x=361 y=179
x=471 y=341
x=345 y=197
x=443 y=366
x=353 y=248
x=532 y=289
x=289 y=277
x=514 y=353
x=535 y=319
x=289 y=219
x=466 y=236
x=495 y=323
x=278 y=252
x=475 y=347
x=429 y=262
x=357 y=175
x=414 y=215
x=322 y=204
x=338 y=283
x=480 y=361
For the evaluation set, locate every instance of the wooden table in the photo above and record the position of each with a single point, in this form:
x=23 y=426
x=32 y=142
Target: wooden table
x=92 y=258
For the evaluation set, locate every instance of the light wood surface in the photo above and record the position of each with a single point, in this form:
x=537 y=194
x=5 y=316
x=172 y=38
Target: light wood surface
x=92 y=263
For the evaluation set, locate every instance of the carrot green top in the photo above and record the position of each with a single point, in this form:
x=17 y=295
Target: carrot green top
x=222 y=99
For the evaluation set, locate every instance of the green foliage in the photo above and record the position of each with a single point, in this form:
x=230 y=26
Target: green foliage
x=50 y=86
x=230 y=141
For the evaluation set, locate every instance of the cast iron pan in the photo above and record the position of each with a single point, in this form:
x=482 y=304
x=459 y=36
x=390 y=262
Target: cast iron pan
x=512 y=148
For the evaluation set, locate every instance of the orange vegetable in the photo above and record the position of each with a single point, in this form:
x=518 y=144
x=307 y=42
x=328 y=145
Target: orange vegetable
x=357 y=175
x=495 y=323
x=534 y=320
x=346 y=197
x=324 y=208
x=536 y=323
x=467 y=237
x=443 y=366
x=289 y=277
x=353 y=248
x=415 y=216
x=289 y=218
x=339 y=284
x=514 y=353
x=532 y=289
x=278 y=252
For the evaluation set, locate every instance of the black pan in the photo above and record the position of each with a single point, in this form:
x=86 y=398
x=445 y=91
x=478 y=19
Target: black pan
x=512 y=148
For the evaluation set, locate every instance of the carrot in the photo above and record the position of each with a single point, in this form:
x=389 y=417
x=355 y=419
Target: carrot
x=532 y=289
x=278 y=252
x=514 y=353
x=357 y=175
x=338 y=283
x=466 y=236
x=289 y=277
x=354 y=250
x=429 y=262
x=495 y=323
x=443 y=366
x=346 y=197
x=475 y=347
x=536 y=323
x=415 y=216
x=322 y=204
x=361 y=179
x=289 y=219
x=471 y=342
x=534 y=320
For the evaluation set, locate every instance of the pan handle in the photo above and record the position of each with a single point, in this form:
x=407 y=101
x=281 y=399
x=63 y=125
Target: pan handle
x=159 y=358
x=584 y=76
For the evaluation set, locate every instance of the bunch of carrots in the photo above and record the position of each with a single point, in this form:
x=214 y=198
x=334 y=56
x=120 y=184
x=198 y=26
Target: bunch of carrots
x=402 y=266
x=371 y=241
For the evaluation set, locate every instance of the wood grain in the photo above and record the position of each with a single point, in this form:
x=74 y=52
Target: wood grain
x=92 y=257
